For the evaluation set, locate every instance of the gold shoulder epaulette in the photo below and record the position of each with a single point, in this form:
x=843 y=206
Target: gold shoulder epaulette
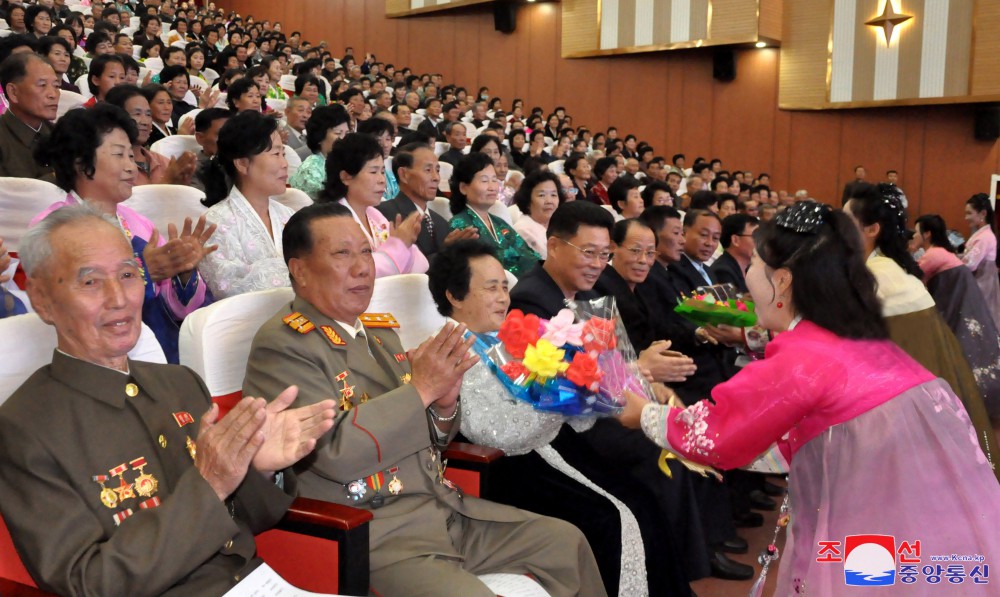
x=298 y=322
x=378 y=320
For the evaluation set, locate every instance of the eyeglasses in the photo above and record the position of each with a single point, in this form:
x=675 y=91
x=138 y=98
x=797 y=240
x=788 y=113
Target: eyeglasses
x=590 y=254
x=638 y=253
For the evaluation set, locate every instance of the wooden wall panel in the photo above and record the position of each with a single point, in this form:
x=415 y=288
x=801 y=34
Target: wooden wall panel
x=670 y=99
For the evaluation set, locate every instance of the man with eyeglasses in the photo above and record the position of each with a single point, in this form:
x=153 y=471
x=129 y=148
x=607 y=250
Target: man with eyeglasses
x=579 y=246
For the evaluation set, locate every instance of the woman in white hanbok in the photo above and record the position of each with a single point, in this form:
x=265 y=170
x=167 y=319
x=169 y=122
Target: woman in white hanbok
x=245 y=175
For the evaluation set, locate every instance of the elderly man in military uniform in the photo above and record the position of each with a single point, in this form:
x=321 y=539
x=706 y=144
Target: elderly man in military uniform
x=398 y=411
x=108 y=484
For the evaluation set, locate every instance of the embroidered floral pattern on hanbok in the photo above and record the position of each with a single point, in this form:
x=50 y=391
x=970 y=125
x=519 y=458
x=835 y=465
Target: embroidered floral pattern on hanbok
x=695 y=439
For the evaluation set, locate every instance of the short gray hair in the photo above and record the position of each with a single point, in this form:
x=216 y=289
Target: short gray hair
x=35 y=248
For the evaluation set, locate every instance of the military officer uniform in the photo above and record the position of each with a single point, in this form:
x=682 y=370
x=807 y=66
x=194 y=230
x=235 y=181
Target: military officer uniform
x=383 y=455
x=100 y=492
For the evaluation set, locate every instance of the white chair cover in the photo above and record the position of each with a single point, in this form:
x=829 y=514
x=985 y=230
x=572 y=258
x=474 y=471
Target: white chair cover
x=154 y=64
x=441 y=206
x=27 y=343
x=557 y=167
x=21 y=199
x=515 y=213
x=167 y=204
x=408 y=298
x=174 y=145
x=415 y=120
x=500 y=210
x=3 y=24
x=294 y=199
x=440 y=147
x=188 y=116
x=68 y=100
x=294 y=161
x=198 y=83
x=446 y=172
x=215 y=340
x=81 y=82
x=210 y=75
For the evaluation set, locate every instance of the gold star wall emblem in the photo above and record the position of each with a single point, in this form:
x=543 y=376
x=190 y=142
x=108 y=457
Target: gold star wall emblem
x=888 y=20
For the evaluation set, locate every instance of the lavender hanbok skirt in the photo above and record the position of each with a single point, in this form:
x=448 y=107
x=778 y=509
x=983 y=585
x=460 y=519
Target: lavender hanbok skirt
x=910 y=468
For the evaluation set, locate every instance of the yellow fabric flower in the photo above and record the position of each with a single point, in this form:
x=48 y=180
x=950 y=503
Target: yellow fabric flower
x=544 y=359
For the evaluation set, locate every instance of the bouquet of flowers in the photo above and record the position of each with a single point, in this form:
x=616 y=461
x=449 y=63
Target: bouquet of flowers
x=579 y=362
x=719 y=304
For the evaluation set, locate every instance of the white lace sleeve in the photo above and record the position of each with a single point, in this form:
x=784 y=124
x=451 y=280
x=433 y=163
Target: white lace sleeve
x=492 y=417
x=246 y=260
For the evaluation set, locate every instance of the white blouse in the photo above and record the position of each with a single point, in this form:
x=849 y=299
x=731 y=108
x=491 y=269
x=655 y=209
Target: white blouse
x=249 y=258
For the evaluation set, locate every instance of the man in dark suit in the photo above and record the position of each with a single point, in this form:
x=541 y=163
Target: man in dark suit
x=454 y=134
x=432 y=119
x=108 y=483
x=579 y=244
x=737 y=240
x=416 y=168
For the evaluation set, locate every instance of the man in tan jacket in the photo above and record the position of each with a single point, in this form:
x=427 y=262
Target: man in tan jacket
x=397 y=411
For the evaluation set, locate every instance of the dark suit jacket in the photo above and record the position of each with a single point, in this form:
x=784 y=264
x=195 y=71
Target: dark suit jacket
x=17 y=144
x=72 y=421
x=427 y=127
x=687 y=277
x=537 y=293
x=715 y=363
x=452 y=156
x=402 y=205
x=631 y=306
x=728 y=271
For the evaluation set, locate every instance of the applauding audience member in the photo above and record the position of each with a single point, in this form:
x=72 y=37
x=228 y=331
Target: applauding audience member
x=91 y=153
x=355 y=178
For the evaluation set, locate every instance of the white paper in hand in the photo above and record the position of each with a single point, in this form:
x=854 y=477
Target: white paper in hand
x=513 y=585
x=265 y=582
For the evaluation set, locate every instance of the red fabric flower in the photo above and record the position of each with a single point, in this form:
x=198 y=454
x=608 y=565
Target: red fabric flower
x=583 y=371
x=599 y=335
x=518 y=331
x=515 y=370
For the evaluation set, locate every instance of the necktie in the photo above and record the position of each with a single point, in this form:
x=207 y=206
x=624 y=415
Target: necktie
x=429 y=224
x=701 y=270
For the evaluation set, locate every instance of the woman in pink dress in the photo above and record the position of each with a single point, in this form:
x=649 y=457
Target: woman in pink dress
x=981 y=250
x=355 y=176
x=874 y=443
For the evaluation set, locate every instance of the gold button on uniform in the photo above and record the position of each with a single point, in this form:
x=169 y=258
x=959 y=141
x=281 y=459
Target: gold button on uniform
x=132 y=390
x=229 y=544
x=163 y=442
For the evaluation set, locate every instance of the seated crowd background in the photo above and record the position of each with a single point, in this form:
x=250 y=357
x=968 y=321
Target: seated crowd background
x=502 y=209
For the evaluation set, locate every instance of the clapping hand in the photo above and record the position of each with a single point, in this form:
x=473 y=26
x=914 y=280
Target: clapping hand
x=226 y=446
x=439 y=363
x=291 y=434
x=458 y=234
x=666 y=365
x=180 y=255
x=407 y=230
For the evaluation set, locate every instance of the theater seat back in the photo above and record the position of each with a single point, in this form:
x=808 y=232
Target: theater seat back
x=11 y=566
x=215 y=341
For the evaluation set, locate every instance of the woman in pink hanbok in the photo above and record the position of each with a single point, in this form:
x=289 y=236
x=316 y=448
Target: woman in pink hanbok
x=873 y=442
x=355 y=177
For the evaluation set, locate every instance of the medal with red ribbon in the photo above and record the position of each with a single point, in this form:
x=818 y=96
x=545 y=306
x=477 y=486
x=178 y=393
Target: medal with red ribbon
x=124 y=490
x=145 y=484
x=108 y=496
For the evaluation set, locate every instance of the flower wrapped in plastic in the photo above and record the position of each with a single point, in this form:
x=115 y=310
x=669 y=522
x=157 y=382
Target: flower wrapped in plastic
x=578 y=363
x=719 y=304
